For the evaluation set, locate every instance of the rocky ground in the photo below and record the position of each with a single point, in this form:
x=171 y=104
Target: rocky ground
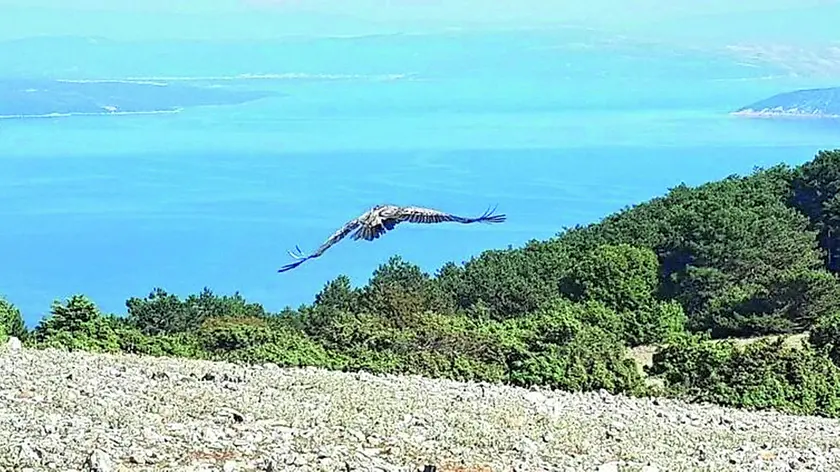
x=78 y=411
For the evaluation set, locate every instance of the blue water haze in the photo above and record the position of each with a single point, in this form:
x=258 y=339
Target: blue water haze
x=556 y=127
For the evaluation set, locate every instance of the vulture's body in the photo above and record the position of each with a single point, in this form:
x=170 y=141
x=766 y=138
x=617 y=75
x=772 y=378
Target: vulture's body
x=383 y=218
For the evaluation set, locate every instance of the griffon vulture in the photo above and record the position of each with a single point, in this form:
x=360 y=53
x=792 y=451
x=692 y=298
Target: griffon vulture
x=383 y=218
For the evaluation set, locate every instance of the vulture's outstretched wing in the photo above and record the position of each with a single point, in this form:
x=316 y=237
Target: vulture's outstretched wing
x=336 y=237
x=429 y=215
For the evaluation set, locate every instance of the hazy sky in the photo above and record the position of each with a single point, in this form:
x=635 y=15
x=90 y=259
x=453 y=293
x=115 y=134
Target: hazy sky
x=267 y=18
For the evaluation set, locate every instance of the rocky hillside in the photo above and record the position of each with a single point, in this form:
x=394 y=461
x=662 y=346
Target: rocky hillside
x=106 y=412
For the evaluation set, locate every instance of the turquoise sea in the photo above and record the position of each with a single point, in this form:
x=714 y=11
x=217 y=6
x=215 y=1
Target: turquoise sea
x=557 y=128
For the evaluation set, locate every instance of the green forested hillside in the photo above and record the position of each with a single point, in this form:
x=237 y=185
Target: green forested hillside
x=742 y=257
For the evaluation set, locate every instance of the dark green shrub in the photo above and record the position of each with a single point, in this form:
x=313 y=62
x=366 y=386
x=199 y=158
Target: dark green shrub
x=623 y=277
x=761 y=375
x=164 y=313
x=555 y=348
x=815 y=191
x=11 y=320
x=185 y=345
x=77 y=324
x=508 y=283
x=257 y=340
x=825 y=336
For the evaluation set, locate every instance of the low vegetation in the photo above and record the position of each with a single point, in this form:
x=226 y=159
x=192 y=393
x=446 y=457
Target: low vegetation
x=688 y=272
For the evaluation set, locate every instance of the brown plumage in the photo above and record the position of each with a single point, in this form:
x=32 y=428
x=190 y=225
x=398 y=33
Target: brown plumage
x=383 y=218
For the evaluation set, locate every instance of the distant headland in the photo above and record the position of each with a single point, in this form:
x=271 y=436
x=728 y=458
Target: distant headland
x=44 y=98
x=811 y=103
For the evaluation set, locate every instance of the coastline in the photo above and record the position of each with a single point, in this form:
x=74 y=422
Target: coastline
x=777 y=113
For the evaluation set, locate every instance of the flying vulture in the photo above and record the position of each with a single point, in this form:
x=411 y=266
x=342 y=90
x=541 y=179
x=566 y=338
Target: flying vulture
x=383 y=218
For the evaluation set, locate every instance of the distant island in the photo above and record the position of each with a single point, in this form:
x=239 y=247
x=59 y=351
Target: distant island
x=32 y=98
x=815 y=103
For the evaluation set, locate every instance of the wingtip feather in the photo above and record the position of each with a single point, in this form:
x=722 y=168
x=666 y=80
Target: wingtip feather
x=489 y=217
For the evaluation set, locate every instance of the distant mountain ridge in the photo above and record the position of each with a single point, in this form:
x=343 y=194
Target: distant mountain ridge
x=818 y=102
x=23 y=98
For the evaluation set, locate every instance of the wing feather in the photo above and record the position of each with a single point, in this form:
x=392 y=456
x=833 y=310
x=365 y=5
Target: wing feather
x=413 y=214
x=369 y=233
x=332 y=240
